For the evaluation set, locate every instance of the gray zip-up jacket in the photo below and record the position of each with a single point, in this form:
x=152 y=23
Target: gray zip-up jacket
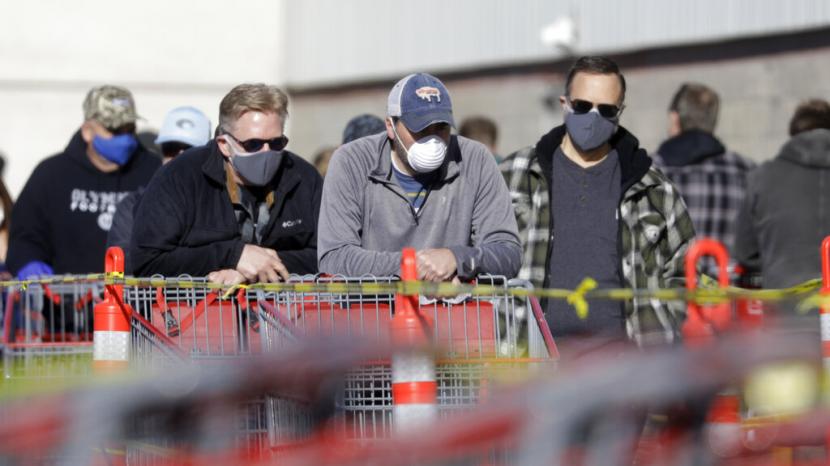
x=366 y=218
x=785 y=215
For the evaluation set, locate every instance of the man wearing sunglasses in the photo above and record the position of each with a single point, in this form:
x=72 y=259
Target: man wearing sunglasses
x=241 y=208
x=589 y=204
x=417 y=185
x=183 y=128
x=60 y=222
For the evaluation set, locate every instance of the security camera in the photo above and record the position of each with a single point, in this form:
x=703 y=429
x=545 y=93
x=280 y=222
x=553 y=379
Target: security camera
x=561 y=34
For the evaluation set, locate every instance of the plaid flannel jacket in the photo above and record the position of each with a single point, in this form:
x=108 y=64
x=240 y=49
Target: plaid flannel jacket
x=655 y=230
x=711 y=180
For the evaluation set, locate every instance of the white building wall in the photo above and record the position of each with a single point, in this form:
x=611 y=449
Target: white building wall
x=635 y=24
x=335 y=41
x=168 y=53
x=759 y=93
x=192 y=52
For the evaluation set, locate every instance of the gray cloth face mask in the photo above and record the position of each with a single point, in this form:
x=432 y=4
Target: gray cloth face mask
x=589 y=130
x=256 y=169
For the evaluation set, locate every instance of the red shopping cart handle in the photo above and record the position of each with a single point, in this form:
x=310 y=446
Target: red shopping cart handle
x=55 y=298
x=12 y=298
x=547 y=336
x=194 y=314
x=170 y=323
x=81 y=304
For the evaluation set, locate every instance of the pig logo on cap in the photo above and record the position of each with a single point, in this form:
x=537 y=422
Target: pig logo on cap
x=427 y=93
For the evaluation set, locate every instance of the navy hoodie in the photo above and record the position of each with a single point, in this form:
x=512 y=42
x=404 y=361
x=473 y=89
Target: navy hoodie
x=65 y=210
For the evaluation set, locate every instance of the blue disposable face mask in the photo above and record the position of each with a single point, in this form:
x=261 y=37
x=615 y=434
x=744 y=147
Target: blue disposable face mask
x=117 y=149
x=591 y=130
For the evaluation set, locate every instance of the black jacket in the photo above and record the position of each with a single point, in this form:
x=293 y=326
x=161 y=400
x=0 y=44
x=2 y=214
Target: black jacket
x=185 y=222
x=122 y=226
x=785 y=215
x=66 y=208
x=689 y=148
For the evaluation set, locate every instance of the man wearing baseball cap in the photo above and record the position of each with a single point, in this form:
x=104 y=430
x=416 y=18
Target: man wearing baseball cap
x=183 y=128
x=417 y=185
x=60 y=222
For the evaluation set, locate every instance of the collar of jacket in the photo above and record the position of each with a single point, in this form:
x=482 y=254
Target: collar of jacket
x=634 y=162
x=284 y=181
x=689 y=147
x=810 y=148
x=383 y=169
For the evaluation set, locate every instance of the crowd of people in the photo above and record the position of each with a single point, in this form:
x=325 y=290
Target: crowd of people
x=585 y=200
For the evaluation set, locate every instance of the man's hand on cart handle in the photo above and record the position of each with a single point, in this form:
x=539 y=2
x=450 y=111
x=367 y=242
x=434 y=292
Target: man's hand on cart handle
x=259 y=264
x=436 y=265
x=226 y=277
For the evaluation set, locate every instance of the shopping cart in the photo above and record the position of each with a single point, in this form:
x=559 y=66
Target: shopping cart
x=197 y=320
x=47 y=330
x=483 y=341
x=265 y=408
x=196 y=325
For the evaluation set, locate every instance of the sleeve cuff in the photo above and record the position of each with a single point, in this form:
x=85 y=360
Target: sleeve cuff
x=235 y=254
x=465 y=261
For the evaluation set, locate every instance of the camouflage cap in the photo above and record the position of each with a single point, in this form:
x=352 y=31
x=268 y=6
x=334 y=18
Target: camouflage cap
x=112 y=106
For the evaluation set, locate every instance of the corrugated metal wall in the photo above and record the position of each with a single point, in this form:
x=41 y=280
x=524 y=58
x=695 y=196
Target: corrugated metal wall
x=632 y=24
x=337 y=41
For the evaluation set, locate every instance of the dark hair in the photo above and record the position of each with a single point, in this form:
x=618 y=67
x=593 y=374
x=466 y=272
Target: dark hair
x=810 y=114
x=363 y=125
x=697 y=106
x=481 y=129
x=594 y=65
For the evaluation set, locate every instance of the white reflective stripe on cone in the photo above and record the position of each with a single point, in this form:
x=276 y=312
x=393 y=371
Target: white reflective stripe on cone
x=413 y=368
x=724 y=439
x=110 y=346
x=824 y=318
x=825 y=326
x=413 y=416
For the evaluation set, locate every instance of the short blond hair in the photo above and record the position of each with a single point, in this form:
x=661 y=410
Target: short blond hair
x=252 y=97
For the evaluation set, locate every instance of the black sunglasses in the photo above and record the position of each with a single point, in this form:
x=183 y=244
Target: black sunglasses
x=172 y=148
x=128 y=128
x=255 y=145
x=580 y=107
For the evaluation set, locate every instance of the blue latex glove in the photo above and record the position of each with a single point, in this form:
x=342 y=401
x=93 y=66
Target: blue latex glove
x=33 y=269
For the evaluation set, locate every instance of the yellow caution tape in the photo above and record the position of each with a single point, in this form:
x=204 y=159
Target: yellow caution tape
x=578 y=297
x=813 y=301
x=232 y=290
